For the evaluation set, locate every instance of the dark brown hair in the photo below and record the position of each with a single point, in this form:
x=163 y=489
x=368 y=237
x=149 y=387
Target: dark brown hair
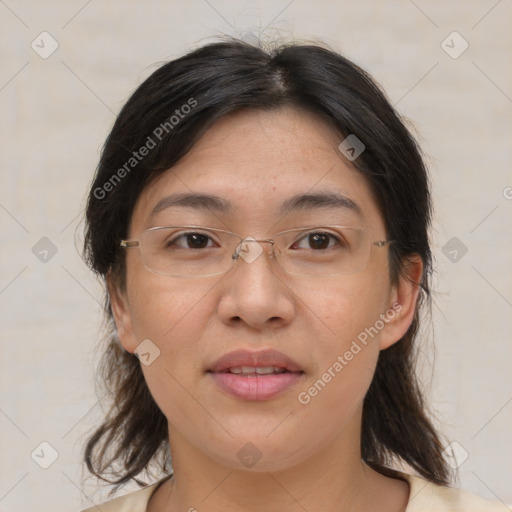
x=214 y=81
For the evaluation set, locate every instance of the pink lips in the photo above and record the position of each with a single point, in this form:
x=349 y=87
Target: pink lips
x=255 y=386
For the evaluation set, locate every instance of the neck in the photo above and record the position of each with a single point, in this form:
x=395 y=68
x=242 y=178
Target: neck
x=335 y=479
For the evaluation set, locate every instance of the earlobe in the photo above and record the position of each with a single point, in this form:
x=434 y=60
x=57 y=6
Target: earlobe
x=122 y=316
x=403 y=301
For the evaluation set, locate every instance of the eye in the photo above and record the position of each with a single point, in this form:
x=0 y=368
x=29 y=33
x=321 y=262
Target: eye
x=191 y=240
x=319 y=240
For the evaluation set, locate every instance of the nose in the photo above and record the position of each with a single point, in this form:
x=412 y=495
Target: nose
x=254 y=291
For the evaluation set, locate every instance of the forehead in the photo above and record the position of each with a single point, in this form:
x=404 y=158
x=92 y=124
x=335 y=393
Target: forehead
x=259 y=163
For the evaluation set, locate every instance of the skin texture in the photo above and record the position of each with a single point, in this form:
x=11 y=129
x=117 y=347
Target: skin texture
x=310 y=455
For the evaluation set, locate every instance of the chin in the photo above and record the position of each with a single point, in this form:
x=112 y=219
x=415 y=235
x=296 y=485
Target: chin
x=260 y=452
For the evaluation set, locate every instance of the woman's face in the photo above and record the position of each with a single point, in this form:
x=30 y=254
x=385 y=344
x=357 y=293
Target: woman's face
x=331 y=327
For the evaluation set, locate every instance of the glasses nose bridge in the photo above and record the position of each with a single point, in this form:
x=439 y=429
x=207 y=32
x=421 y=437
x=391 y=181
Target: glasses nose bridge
x=242 y=248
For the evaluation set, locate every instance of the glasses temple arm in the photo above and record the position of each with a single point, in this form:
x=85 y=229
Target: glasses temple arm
x=129 y=243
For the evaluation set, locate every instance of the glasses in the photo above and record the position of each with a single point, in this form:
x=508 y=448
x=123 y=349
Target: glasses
x=196 y=251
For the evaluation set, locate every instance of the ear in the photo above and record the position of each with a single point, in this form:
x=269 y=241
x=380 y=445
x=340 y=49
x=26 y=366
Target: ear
x=122 y=315
x=402 y=302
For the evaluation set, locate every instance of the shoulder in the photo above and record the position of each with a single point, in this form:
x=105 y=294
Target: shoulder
x=136 y=501
x=428 y=497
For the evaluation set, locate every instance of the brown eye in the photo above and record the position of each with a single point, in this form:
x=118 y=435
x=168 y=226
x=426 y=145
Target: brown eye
x=318 y=241
x=191 y=241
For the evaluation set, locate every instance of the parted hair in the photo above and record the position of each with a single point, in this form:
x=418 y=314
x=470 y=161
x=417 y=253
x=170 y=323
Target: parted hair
x=215 y=80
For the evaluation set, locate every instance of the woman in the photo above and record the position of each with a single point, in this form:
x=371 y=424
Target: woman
x=261 y=223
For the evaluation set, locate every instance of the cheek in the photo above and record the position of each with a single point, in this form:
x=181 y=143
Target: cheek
x=344 y=308
x=346 y=324
x=346 y=356
x=160 y=304
x=174 y=317
x=166 y=310
x=345 y=365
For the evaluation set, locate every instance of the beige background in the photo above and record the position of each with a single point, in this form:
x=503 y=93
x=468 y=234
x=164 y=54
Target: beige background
x=56 y=112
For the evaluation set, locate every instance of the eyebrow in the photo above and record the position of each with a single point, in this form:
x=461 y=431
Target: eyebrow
x=298 y=202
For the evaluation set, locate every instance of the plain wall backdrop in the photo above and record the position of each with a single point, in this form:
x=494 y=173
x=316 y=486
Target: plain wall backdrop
x=444 y=65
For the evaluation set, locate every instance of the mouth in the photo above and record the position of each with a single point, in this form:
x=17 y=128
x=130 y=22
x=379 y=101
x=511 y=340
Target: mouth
x=261 y=363
x=252 y=371
x=255 y=376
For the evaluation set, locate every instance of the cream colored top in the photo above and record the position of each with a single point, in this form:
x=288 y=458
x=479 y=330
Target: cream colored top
x=424 y=497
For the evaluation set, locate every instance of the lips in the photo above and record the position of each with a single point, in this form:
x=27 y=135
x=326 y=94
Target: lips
x=255 y=376
x=260 y=362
